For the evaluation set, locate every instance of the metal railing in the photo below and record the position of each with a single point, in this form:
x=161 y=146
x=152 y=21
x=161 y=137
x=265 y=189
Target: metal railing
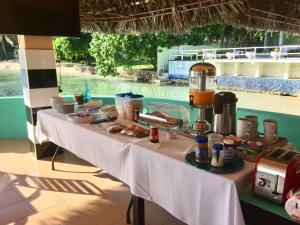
x=248 y=53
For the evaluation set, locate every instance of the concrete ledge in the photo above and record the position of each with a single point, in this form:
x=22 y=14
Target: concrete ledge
x=261 y=84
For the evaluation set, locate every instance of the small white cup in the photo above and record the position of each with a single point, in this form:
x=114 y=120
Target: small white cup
x=244 y=128
x=253 y=134
x=242 y=135
x=270 y=131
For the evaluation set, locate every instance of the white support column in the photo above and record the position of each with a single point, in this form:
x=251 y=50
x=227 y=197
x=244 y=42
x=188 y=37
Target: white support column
x=39 y=81
x=287 y=70
x=258 y=69
x=237 y=70
x=219 y=66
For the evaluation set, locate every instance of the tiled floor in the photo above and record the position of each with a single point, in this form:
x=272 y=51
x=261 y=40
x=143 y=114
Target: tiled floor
x=76 y=193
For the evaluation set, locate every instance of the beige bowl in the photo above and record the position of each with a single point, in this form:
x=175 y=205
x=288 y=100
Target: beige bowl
x=66 y=108
x=75 y=118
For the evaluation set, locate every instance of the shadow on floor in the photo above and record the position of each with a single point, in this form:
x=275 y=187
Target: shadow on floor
x=56 y=184
x=74 y=186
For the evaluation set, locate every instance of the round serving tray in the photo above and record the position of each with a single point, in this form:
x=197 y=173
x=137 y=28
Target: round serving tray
x=235 y=165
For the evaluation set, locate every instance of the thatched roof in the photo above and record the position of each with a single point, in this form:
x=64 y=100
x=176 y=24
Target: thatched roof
x=127 y=16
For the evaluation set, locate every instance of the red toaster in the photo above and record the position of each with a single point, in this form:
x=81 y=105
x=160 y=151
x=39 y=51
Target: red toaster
x=276 y=173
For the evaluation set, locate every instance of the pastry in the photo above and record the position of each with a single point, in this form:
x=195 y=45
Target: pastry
x=114 y=128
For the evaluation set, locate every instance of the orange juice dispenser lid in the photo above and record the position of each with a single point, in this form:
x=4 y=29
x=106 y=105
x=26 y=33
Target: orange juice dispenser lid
x=203 y=68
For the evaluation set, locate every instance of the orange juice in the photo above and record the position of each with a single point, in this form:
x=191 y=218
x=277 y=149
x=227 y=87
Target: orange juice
x=202 y=97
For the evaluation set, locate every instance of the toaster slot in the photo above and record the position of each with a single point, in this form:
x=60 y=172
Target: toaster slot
x=288 y=156
x=276 y=153
x=278 y=187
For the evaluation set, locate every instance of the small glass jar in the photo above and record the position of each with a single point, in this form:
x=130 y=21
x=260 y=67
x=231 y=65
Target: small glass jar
x=154 y=135
x=228 y=150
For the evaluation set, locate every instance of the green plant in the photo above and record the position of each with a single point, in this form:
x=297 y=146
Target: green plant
x=8 y=46
x=73 y=49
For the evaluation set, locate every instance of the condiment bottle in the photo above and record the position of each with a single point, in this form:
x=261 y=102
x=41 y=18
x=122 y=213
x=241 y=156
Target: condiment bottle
x=217 y=159
x=154 y=135
x=201 y=153
x=86 y=92
x=228 y=150
x=213 y=138
x=136 y=115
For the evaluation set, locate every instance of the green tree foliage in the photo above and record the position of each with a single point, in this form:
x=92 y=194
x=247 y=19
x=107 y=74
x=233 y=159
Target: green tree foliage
x=111 y=51
x=8 y=45
x=106 y=51
x=73 y=49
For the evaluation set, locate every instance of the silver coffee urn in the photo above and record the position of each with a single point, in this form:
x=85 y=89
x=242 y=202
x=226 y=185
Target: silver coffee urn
x=224 y=107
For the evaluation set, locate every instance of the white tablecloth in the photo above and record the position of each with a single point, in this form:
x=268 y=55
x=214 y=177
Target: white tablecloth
x=156 y=172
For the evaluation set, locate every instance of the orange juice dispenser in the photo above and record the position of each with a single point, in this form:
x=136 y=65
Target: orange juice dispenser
x=201 y=95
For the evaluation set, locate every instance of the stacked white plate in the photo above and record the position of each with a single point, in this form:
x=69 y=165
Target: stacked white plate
x=55 y=101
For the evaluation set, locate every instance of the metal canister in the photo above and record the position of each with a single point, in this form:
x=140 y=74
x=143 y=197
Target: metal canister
x=228 y=150
x=217 y=159
x=201 y=152
x=154 y=135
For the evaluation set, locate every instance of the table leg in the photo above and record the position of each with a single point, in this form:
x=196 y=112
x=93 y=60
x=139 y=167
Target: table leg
x=53 y=158
x=128 y=221
x=138 y=211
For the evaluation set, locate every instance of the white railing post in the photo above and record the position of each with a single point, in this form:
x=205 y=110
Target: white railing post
x=233 y=53
x=280 y=52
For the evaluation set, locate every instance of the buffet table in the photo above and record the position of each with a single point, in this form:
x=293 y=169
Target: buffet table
x=155 y=172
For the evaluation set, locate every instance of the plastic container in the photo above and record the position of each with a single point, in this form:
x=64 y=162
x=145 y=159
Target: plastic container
x=201 y=149
x=165 y=115
x=213 y=138
x=131 y=103
x=119 y=101
x=217 y=159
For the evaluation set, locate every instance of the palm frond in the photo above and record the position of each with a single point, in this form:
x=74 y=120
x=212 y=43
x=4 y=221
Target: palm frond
x=176 y=16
